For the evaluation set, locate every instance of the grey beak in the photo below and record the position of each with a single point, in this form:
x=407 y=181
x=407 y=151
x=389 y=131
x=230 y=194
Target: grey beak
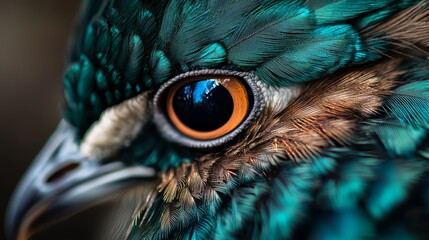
x=61 y=182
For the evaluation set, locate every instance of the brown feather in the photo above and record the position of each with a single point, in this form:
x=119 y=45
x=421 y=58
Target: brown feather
x=407 y=31
x=324 y=115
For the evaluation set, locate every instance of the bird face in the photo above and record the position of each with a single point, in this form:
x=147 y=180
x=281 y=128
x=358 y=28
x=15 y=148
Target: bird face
x=221 y=119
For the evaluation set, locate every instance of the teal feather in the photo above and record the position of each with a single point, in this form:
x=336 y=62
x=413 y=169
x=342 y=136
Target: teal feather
x=183 y=33
x=268 y=31
x=410 y=104
x=112 y=52
x=290 y=196
x=210 y=56
x=108 y=97
x=116 y=41
x=338 y=11
x=170 y=20
x=228 y=15
x=156 y=153
x=371 y=18
x=397 y=138
x=392 y=186
x=101 y=81
x=128 y=90
x=89 y=39
x=345 y=185
x=97 y=103
x=202 y=230
x=330 y=49
x=161 y=66
x=324 y=165
x=416 y=70
x=90 y=8
x=146 y=25
x=350 y=224
x=103 y=39
x=117 y=95
x=70 y=78
x=121 y=59
x=132 y=17
x=136 y=50
x=85 y=83
x=239 y=210
x=374 y=17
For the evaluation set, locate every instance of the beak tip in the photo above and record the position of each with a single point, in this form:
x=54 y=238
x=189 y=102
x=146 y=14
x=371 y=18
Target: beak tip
x=61 y=182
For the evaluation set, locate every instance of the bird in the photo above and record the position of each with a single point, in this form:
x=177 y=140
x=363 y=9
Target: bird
x=229 y=119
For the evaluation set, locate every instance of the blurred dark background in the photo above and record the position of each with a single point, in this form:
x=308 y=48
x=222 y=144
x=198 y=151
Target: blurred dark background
x=33 y=44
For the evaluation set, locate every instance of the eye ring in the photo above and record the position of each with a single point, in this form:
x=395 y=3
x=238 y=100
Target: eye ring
x=240 y=100
x=178 y=132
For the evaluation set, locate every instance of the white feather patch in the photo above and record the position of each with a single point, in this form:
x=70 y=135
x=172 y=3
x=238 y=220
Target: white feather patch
x=279 y=98
x=116 y=128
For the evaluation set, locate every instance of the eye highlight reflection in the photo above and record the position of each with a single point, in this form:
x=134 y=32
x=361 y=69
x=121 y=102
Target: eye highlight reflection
x=209 y=107
x=207 y=99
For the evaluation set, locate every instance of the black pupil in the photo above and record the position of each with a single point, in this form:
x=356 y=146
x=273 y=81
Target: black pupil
x=203 y=105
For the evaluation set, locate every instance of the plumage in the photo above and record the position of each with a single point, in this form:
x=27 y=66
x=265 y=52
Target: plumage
x=343 y=156
x=409 y=103
x=161 y=66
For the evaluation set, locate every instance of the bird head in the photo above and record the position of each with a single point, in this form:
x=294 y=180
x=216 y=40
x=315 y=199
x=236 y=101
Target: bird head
x=217 y=119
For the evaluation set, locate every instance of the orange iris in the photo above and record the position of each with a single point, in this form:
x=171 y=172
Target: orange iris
x=205 y=100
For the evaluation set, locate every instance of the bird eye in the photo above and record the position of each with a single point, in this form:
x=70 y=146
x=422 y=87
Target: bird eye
x=207 y=108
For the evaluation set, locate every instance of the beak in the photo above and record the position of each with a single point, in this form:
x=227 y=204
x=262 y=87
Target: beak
x=61 y=183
